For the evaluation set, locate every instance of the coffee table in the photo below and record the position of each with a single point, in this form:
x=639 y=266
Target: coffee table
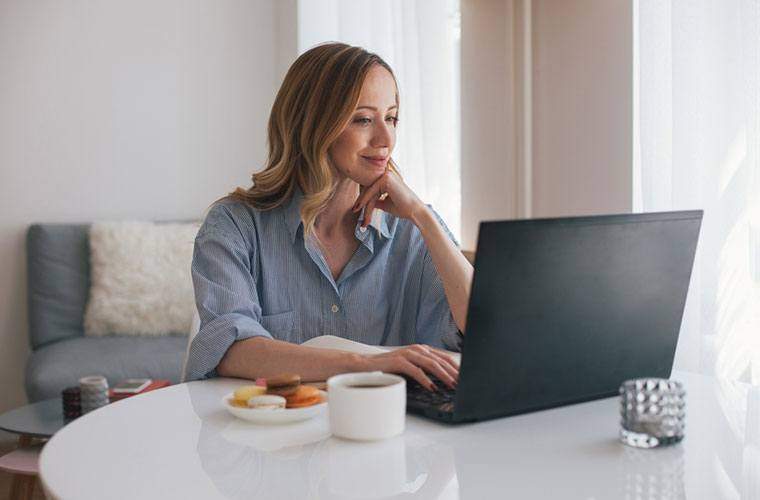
x=36 y=420
x=33 y=421
x=180 y=443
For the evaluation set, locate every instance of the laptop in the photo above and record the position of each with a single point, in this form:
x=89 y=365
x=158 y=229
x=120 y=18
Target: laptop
x=564 y=310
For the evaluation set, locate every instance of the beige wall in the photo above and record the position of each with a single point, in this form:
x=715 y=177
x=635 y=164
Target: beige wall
x=115 y=110
x=489 y=164
x=577 y=80
x=582 y=107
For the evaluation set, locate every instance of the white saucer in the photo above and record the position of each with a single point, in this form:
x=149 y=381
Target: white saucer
x=282 y=416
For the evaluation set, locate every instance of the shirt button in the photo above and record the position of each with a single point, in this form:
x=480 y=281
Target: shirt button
x=334 y=308
x=363 y=229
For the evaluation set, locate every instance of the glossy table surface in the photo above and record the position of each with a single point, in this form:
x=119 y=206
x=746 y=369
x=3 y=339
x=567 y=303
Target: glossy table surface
x=41 y=419
x=179 y=442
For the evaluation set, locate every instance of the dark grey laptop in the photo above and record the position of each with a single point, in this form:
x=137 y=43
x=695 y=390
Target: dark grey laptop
x=563 y=310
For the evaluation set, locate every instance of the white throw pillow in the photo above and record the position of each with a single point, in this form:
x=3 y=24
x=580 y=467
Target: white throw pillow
x=140 y=278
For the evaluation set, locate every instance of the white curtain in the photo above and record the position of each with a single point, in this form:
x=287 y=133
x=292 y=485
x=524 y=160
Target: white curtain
x=697 y=112
x=419 y=39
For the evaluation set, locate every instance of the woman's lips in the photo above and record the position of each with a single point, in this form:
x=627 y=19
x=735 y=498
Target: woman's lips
x=380 y=162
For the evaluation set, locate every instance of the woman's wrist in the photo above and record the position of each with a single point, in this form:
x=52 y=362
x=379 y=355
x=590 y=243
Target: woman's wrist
x=421 y=215
x=356 y=362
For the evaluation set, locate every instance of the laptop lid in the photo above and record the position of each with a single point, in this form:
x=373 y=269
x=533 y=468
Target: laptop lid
x=563 y=310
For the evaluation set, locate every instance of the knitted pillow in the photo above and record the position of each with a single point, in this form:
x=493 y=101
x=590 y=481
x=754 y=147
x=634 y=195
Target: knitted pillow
x=140 y=279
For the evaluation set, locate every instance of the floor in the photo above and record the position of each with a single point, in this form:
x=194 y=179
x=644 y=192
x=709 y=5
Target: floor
x=7 y=445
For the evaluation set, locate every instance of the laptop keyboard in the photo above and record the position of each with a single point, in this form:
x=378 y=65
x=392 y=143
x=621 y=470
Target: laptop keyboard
x=442 y=398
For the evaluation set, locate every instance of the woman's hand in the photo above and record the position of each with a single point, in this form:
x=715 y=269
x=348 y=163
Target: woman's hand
x=391 y=194
x=416 y=361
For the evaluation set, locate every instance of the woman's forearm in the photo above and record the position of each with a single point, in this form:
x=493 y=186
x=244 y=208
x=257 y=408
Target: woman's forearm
x=264 y=357
x=453 y=267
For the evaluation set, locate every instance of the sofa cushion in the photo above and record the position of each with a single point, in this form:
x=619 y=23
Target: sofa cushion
x=58 y=277
x=56 y=366
x=140 y=278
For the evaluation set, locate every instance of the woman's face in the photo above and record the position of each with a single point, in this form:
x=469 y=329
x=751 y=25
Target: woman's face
x=362 y=150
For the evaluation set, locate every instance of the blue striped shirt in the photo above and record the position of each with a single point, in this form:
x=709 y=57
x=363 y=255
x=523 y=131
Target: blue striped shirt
x=255 y=276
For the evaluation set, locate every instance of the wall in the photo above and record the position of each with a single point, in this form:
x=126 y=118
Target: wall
x=489 y=162
x=124 y=110
x=568 y=149
x=577 y=123
x=582 y=107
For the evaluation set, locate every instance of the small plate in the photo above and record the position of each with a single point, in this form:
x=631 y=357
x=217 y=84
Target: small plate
x=282 y=416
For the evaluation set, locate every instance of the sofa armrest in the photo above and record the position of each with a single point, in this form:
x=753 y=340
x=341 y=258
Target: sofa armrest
x=58 y=281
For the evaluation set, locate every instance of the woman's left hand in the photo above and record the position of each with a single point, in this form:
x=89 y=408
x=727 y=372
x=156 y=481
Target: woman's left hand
x=390 y=194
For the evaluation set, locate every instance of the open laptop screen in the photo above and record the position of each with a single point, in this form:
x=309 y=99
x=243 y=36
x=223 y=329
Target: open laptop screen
x=563 y=310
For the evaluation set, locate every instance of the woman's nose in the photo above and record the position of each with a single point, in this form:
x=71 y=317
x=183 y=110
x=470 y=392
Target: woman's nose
x=382 y=136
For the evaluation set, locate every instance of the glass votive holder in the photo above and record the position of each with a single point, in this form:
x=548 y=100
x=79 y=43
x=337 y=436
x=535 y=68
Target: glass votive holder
x=652 y=412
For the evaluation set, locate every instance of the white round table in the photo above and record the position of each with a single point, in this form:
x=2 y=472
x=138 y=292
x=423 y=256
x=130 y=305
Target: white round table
x=179 y=442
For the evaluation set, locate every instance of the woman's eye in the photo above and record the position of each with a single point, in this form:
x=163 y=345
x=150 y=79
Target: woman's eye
x=367 y=121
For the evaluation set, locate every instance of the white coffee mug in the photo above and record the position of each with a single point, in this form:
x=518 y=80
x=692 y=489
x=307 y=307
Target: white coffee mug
x=367 y=406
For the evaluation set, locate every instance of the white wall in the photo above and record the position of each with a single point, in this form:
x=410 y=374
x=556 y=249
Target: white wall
x=117 y=110
x=579 y=74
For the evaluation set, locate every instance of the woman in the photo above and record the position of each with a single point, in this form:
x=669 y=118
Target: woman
x=328 y=240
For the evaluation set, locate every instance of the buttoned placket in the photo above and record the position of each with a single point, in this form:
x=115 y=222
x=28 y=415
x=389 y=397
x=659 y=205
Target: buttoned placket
x=333 y=316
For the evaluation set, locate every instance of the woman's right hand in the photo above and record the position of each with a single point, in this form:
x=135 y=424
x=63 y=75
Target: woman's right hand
x=416 y=361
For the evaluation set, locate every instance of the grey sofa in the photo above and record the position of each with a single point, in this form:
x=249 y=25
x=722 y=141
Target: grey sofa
x=58 y=277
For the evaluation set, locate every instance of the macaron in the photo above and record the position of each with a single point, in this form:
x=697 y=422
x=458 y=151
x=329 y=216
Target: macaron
x=246 y=392
x=284 y=384
x=304 y=396
x=238 y=404
x=267 y=402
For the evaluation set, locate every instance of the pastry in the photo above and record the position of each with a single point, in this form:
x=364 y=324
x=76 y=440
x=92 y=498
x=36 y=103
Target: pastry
x=267 y=402
x=238 y=404
x=246 y=392
x=283 y=385
x=304 y=396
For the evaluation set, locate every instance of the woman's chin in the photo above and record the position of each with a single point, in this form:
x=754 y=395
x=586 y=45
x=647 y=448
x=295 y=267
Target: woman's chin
x=369 y=178
x=364 y=176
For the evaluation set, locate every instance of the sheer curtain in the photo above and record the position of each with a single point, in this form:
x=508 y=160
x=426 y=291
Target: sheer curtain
x=420 y=41
x=697 y=112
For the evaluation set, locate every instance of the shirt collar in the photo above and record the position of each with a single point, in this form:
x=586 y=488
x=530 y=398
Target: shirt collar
x=292 y=213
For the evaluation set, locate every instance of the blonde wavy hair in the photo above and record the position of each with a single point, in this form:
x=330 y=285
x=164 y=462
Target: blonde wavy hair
x=314 y=104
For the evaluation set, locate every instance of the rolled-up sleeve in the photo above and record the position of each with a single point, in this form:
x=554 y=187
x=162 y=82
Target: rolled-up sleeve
x=435 y=323
x=225 y=293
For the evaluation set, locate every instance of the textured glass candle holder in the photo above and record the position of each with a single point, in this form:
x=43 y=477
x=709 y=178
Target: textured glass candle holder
x=652 y=412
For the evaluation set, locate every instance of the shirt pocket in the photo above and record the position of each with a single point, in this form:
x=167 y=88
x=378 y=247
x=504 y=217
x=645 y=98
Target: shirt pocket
x=280 y=325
